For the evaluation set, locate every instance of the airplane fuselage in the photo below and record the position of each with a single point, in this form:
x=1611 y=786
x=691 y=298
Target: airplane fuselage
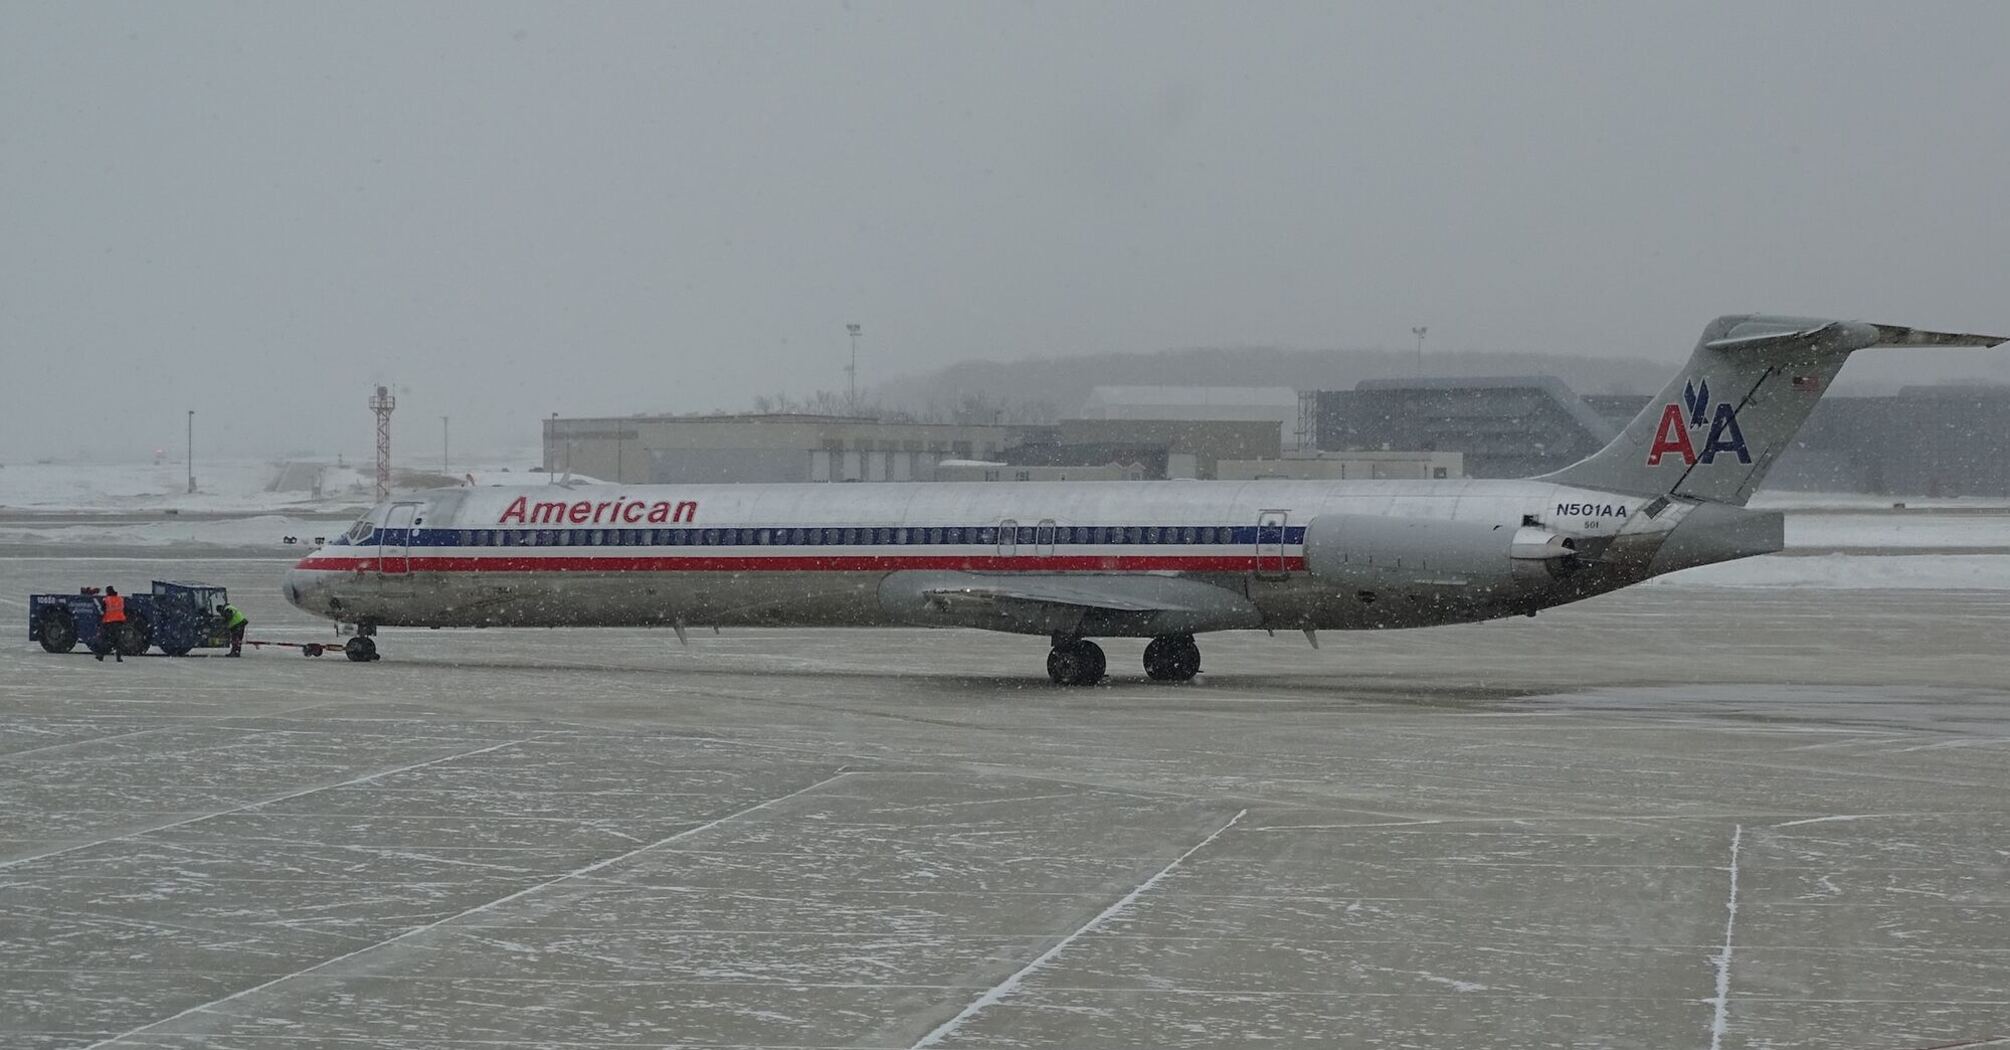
x=1280 y=554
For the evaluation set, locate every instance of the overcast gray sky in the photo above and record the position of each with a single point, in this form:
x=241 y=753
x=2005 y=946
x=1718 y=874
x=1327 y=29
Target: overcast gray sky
x=256 y=210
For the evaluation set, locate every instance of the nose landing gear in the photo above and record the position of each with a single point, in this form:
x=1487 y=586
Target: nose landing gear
x=1076 y=661
x=362 y=648
x=1172 y=658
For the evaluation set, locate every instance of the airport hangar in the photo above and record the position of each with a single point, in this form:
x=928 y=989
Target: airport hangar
x=661 y=449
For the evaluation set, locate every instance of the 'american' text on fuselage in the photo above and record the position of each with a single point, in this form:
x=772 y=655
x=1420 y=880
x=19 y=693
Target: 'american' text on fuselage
x=589 y=512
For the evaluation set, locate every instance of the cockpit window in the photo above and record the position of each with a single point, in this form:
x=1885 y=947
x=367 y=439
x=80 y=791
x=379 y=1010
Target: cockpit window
x=359 y=530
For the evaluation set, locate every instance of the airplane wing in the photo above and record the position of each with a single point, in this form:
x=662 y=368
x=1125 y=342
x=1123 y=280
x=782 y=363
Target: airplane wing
x=1049 y=591
x=1051 y=602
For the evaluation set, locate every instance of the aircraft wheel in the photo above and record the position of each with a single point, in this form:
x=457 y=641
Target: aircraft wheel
x=1172 y=658
x=360 y=649
x=179 y=650
x=1098 y=664
x=1079 y=662
x=59 y=631
x=130 y=638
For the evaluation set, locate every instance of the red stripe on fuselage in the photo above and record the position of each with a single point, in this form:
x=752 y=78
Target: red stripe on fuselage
x=812 y=563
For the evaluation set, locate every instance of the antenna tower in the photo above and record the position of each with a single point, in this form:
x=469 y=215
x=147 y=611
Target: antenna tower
x=382 y=404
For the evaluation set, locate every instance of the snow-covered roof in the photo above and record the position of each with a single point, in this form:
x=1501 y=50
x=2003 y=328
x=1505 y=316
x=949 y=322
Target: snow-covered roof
x=1267 y=396
x=491 y=478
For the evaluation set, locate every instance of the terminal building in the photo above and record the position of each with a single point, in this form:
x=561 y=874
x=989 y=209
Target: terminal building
x=791 y=448
x=764 y=448
x=1922 y=441
x=1508 y=427
x=1274 y=404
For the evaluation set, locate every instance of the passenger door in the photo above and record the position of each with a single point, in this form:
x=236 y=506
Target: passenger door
x=394 y=553
x=1008 y=538
x=1270 y=525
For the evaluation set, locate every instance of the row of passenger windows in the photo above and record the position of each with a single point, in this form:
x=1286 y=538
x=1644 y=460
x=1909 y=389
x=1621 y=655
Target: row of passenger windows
x=851 y=537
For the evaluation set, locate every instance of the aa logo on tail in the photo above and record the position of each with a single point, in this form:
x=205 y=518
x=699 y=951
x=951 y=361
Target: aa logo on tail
x=1673 y=435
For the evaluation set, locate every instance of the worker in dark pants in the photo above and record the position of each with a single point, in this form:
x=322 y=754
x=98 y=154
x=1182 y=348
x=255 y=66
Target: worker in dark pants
x=112 y=622
x=234 y=622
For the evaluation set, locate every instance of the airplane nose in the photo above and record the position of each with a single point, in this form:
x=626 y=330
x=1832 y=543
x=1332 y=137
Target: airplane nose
x=306 y=590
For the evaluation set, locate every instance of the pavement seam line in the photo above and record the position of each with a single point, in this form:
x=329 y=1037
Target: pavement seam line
x=81 y=743
x=997 y=992
x=476 y=910
x=352 y=782
x=1722 y=1000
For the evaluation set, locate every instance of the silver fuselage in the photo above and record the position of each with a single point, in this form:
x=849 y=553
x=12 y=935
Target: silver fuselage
x=1282 y=554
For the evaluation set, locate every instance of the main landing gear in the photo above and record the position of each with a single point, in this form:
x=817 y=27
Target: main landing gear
x=1078 y=661
x=1172 y=658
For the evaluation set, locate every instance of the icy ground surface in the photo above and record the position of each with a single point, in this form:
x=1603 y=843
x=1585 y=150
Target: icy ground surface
x=258 y=531
x=1908 y=530
x=223 y=486
x=1506 y=835
x=1890 y=570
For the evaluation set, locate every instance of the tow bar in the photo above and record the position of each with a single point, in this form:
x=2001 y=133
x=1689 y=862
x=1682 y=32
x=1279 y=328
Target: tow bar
x=306 y=648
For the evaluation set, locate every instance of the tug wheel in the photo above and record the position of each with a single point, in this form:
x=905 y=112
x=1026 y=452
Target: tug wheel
x=59 y=631
x=130 y=638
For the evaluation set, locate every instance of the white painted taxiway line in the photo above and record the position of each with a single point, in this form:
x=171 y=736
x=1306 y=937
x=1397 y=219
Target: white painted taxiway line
x=1005 y=987
x=352 y=782
x=1722 y=1000
x=478 y=909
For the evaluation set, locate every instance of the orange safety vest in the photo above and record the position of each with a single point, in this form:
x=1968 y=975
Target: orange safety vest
x=115 y=609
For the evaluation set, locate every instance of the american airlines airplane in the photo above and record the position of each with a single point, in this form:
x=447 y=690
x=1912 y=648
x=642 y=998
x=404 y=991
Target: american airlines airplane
x=1074 y=561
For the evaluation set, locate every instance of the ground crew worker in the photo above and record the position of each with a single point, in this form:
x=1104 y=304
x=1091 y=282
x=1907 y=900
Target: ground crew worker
x=112 y=622
x=234 y=622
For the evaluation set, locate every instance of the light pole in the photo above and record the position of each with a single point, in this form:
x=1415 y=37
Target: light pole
x=191 y=451
x=551 y=449
x=851 y=371
x=1419 y=333
x=443 y=444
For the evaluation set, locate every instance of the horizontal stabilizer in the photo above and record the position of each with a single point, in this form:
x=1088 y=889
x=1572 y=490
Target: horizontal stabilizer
x=1769 y=340
x=1894 y=335
x=1790 y=334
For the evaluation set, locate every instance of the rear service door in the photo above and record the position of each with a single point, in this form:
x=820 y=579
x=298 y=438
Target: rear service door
x=1270 y=544
x=394 y=555
x=1008 y=538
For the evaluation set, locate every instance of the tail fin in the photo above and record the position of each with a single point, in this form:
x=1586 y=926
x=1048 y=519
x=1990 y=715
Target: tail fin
x=1720 y=424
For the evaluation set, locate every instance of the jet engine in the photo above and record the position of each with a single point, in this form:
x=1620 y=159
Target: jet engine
x=1367 y=551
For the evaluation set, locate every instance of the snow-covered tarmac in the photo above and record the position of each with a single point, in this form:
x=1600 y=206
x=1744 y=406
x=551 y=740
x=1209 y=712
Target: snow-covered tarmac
x=1683 y=816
